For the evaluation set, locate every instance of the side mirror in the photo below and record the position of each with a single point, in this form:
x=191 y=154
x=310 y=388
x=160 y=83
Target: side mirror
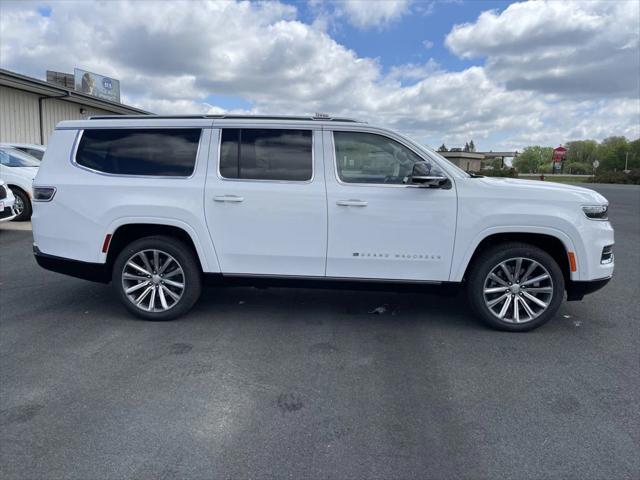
x=421 y=175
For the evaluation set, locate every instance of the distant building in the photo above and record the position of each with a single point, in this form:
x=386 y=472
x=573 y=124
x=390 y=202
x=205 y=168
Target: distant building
x=469 y=161
x=472 y=161
x=31 y=108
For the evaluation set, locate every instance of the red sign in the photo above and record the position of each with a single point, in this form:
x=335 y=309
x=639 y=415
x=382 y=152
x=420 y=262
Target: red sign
x=559 y=154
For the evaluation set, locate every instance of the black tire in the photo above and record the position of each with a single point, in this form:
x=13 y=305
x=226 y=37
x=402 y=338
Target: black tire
x=510 y=252
x=184 y=257
x=21 y=196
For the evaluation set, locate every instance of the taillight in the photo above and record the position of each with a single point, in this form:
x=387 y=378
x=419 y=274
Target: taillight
x=43 y=194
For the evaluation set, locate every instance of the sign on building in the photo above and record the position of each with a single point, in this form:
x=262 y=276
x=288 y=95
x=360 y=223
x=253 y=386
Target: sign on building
x=97 y=85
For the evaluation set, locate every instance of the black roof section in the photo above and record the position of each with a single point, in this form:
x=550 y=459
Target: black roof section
x=238 y=117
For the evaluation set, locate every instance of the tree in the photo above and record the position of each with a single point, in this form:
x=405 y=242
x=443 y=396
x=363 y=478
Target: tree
x=472 y=147
x=493 y=163
x=612 y=153
x=443 y=148
x=531 y=158
x=545 y=168
x=634 y=155
x=466 y=147
x=581 y=151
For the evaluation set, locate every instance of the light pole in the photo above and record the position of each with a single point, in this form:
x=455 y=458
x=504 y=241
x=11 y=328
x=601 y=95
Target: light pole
x=626 y=163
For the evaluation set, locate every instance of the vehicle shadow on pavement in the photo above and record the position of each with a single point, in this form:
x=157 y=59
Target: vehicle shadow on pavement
x=317 y=306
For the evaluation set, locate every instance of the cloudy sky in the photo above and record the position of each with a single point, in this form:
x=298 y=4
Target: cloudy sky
x=501 y=73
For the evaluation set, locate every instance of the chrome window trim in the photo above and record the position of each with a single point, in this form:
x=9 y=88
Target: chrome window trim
x=76 y=144
x=385 y=185
x=264 y=180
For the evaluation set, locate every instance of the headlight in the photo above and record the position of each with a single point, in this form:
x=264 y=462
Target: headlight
x=596 y=212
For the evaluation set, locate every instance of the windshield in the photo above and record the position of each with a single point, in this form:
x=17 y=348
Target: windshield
x=10 y=157
x=34 y=152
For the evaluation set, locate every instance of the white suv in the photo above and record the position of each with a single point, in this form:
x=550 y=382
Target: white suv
x=157 y=204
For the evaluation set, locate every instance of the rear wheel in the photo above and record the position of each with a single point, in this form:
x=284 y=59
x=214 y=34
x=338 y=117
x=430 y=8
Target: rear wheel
x=157 y=278
x=515 y=287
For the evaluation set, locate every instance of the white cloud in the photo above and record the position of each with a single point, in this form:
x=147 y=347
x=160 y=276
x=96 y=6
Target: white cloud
x=165 y=106
x=363 y=14
x=427 y=44
x=567 y=48
x=175 y=58
x=379 y=13
x=413 y=71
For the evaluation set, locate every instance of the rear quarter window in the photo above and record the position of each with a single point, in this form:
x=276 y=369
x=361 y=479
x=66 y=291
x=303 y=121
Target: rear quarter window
x=154 y=152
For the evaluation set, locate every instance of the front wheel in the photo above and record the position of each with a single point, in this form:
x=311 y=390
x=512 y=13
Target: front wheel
x=157 y=278
x=515 y=287
x=22 y=207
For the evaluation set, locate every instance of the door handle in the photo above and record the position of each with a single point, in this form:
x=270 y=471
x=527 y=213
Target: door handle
x=228 y=198
x=352 y=203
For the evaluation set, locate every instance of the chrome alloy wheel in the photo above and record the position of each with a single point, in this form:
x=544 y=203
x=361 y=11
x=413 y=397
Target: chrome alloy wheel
x=518 y=290
x=18 y=206
x=153 y=280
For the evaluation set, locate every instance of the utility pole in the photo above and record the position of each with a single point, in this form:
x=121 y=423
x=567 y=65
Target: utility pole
x=626 y=163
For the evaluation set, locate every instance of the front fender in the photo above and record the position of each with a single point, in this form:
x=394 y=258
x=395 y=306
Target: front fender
x=461 y=260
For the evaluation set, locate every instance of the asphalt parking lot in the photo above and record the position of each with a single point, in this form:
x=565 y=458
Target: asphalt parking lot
x=286 y=383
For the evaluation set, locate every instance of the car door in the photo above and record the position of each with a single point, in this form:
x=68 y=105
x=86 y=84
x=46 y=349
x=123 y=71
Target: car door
x=265 y=200
x=380 y=227
x=18 y=168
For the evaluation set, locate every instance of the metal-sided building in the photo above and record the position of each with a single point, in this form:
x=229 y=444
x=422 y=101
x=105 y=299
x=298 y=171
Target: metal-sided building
x=31 y=108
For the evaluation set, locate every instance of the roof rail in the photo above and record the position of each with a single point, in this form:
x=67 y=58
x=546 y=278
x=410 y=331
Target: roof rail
x=317 y=116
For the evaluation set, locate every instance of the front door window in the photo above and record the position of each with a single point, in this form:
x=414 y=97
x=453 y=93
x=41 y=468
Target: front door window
x=374 y=159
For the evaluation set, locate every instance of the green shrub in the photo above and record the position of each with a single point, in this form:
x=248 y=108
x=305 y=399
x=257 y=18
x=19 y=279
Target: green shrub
x=546 y=168
x=578 y=168
x=631 y=178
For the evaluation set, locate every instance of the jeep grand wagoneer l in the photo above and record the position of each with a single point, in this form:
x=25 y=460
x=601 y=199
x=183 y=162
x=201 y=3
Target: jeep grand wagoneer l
x=155 y=204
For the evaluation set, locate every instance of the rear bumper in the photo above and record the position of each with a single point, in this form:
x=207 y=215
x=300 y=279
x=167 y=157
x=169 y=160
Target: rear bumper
x=95 y=272
x=577 y=290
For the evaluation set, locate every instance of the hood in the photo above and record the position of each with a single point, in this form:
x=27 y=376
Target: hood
x=536 y=188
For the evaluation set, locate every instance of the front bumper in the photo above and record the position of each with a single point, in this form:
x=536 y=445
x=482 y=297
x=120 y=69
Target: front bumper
x=577 y=290
x=95 y=272
x=7 y=213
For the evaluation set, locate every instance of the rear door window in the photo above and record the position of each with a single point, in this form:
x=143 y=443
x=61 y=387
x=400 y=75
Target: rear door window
x=153 y=152
x=266 y=154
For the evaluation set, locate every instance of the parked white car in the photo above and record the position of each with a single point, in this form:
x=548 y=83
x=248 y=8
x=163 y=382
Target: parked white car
x=7 y=201
x=155 y=204
x=33 y=149
x=18 y=170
